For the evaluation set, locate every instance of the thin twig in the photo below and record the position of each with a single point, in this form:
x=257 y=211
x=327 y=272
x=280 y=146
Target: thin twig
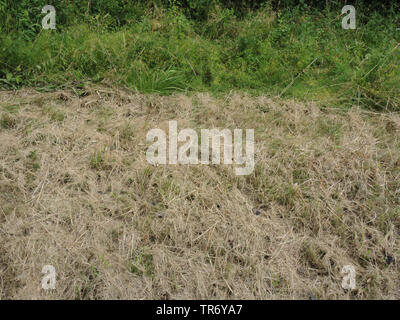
x=291 y=83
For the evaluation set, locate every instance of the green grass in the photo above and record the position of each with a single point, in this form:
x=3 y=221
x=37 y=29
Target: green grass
x=96 y=160
x=7 y=121
x=296 y=53
x=141 y=263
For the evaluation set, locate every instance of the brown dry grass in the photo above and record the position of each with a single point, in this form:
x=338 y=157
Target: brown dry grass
x=76 y=192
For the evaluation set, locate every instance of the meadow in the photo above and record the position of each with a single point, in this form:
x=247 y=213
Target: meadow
x=78 y=193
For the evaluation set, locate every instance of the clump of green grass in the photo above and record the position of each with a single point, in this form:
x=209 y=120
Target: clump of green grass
x=330 y=129
x=158 y=81
x=313 y=256
x=96 y=160
x=127 y=131
x=33 y=160
x=7 y=121
x=141 y=263
x=11 y=108
x=55 y=114
x=58 y=116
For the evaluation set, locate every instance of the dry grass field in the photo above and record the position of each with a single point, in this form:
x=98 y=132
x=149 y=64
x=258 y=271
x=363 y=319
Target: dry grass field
x=76 y=192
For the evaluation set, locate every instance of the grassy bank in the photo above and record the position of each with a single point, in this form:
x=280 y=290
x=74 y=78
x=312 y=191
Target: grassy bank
x=296 y=52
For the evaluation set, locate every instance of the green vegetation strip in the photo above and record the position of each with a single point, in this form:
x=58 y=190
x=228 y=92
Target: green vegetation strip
x=298 y=51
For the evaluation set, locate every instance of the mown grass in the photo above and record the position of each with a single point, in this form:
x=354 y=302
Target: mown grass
x=325 y=193
x=296 y=52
